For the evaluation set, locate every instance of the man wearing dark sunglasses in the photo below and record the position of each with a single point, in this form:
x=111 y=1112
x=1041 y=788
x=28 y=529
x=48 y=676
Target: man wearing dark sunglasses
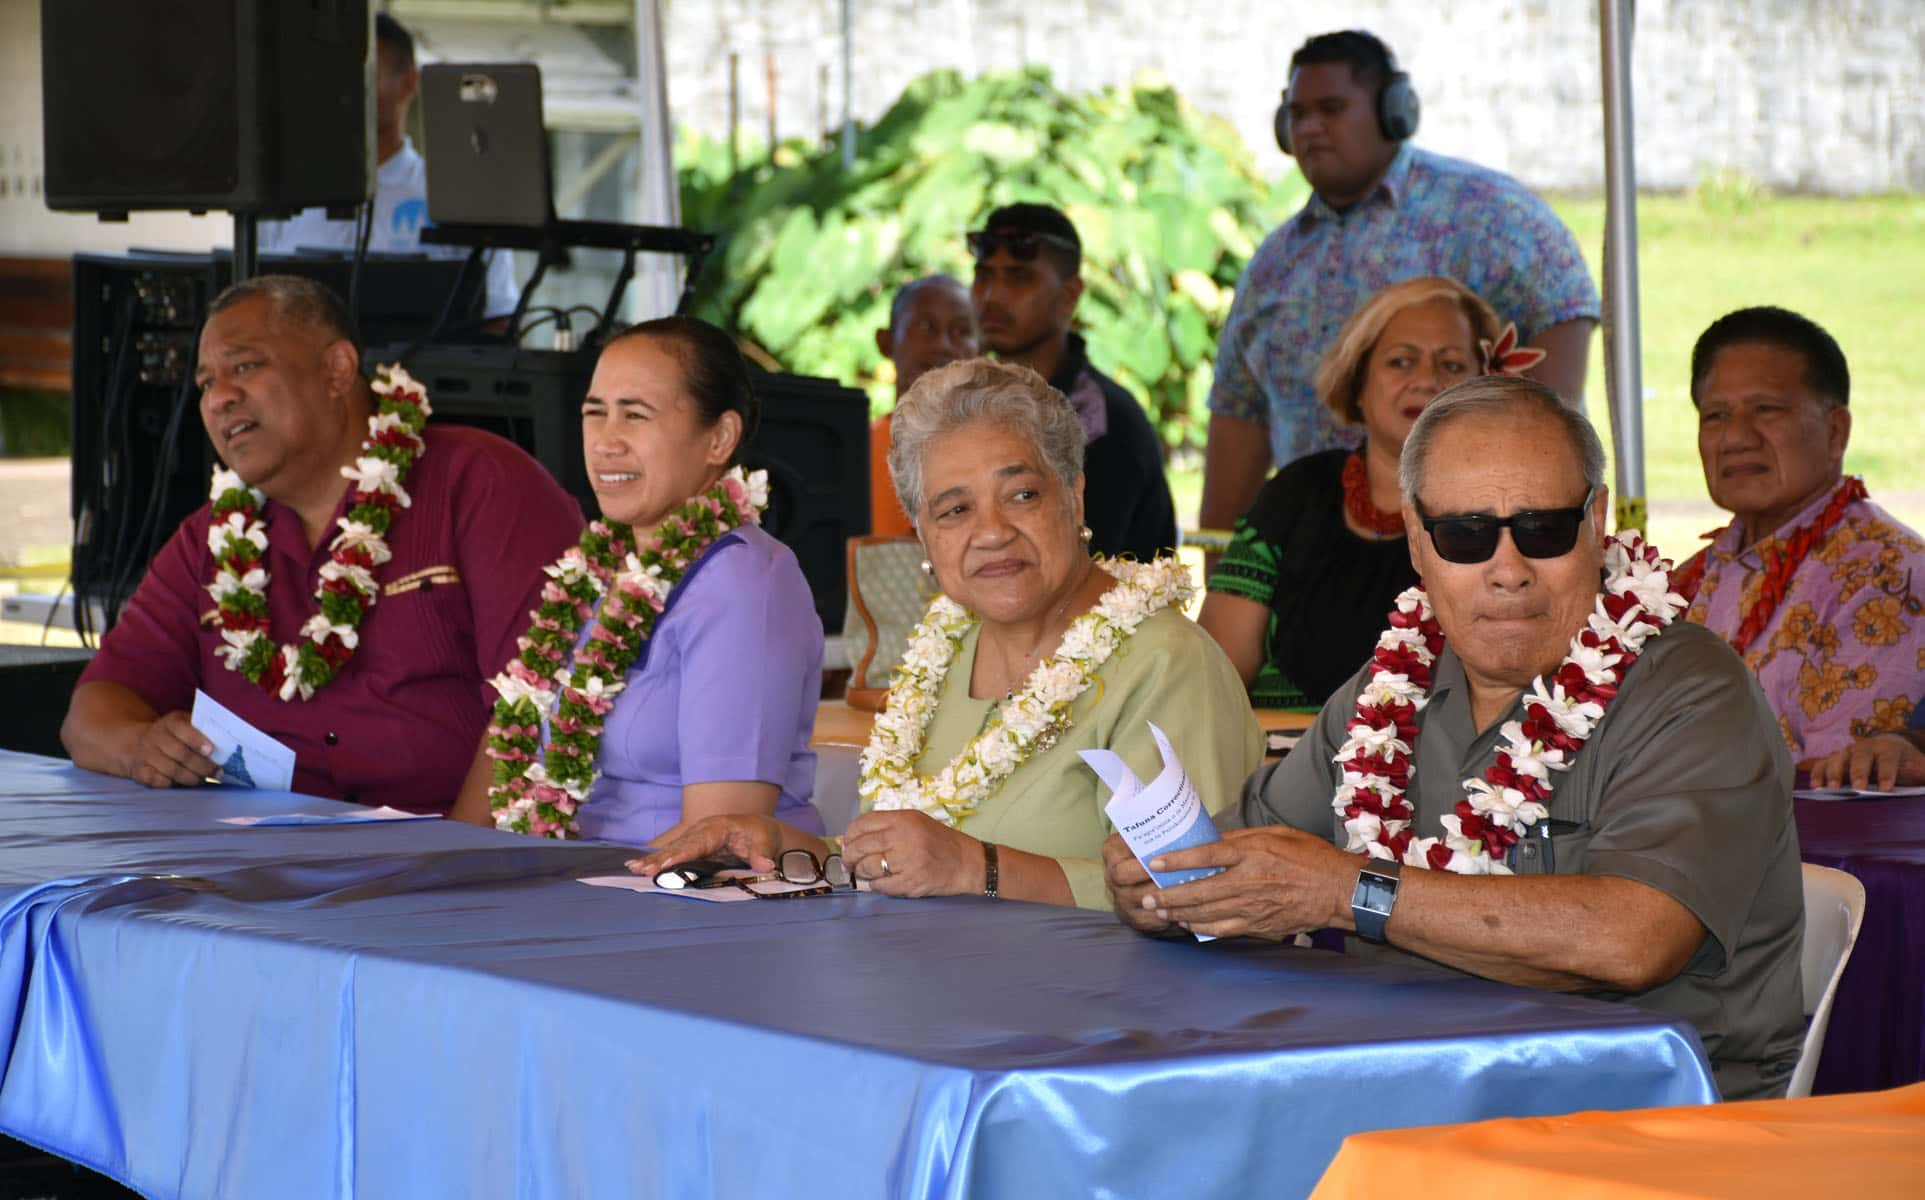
x=1665 y=872
x=1028 y=280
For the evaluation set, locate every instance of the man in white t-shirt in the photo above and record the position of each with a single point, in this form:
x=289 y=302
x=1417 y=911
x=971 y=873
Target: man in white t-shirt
x=401 y=183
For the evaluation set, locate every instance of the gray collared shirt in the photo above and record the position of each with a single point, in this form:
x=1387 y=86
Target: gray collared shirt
x=1685 y=786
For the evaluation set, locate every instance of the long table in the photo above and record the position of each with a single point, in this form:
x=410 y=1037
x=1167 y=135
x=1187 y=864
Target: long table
x=1877 y=1034
x=431 y=1009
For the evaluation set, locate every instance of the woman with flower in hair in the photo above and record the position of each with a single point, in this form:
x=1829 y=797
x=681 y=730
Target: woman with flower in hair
x=1036 y=650
x=1312 y=566
x=672 y=669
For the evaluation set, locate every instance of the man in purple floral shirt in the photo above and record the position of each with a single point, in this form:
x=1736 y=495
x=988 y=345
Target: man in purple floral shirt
x=1381 y=211
x=1821 y=590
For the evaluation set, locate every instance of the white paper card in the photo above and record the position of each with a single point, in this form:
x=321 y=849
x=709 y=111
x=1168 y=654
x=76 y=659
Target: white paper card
x=361 y=816
x=713 y=895
x=246 y=756
x=1855 y=794
x=1154 y=818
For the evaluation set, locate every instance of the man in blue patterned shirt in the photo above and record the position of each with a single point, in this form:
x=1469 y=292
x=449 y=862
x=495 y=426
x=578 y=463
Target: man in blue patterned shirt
x=1381 y=210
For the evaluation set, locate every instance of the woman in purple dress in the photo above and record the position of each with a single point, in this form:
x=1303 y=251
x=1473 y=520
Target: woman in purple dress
x=705 y=704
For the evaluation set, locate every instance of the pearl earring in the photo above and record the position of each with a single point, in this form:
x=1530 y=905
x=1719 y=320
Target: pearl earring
x=927 y=568
x=1086 y=534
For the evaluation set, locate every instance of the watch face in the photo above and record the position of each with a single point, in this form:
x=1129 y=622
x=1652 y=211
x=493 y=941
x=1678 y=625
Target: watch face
x=1375 y=892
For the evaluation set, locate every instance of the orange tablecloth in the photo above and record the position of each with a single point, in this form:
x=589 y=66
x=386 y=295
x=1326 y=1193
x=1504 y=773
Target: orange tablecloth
x=1849 y=1147
x=836 y=724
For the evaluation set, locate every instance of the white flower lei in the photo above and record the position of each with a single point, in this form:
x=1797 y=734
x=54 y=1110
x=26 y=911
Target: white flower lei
x=237 y=538
x=1032 y=720
x=1561 y=712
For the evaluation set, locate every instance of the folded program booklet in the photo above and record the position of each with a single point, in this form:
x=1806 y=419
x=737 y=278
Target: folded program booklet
x=1159 y=816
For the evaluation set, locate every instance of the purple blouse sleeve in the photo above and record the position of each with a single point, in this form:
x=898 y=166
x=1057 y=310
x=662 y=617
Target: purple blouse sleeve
x=751 y=667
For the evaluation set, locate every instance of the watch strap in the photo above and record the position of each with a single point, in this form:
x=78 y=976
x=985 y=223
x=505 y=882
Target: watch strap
x=992 y=873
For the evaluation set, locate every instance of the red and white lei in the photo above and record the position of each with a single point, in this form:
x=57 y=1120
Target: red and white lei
x=1561 y=711
x=538 y=788
x=347 y=590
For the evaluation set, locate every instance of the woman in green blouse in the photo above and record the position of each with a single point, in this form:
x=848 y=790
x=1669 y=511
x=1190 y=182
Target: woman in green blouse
x=971 y=782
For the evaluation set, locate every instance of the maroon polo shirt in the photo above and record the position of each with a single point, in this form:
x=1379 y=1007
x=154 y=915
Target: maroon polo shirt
x=400 y=724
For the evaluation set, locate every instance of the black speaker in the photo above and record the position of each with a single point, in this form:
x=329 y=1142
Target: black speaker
x=246 y=105
x=813 y=441
x=531 y=397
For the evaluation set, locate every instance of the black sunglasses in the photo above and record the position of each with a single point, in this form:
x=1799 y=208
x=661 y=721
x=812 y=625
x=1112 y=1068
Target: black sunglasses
x=1022 y=245
x=1537 y=533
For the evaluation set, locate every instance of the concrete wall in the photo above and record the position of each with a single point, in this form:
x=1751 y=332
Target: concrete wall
x=1809 y=95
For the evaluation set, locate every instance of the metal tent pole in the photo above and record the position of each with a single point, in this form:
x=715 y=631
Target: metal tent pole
x=657 y=196
x=1623 y=374
x=848 y=87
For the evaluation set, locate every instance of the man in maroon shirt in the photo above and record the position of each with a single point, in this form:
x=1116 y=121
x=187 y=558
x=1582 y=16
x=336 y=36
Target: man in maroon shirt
x=285 y=404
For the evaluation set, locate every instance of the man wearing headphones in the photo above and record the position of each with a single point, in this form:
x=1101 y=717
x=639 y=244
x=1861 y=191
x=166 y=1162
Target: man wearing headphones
x=1381 y=210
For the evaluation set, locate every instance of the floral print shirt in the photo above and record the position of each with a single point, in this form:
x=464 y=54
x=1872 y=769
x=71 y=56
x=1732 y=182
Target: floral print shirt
x=1430 y=215
x=1844 y=655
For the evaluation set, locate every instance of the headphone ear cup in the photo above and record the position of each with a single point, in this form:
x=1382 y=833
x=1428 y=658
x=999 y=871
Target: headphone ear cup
x=1280 y=125
x=1397 y=108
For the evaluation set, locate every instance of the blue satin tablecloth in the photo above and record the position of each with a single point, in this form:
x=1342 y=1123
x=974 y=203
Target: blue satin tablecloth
x=1877 y=1035
x=427 y=1009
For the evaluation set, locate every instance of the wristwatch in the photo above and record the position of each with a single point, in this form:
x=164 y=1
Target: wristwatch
x=1376 y=892
x=991 y=872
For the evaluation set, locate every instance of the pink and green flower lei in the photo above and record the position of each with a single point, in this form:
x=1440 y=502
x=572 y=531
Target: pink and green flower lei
x=537 y=788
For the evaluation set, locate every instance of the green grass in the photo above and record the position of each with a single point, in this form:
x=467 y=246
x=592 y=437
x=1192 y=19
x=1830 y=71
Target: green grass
x=1856 y=266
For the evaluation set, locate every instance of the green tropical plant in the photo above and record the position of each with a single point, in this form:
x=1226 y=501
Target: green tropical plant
x=1167 y=200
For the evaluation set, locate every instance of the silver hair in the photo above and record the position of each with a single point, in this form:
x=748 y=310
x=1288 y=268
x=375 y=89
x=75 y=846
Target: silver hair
x=1009 y=395
x=1497 y=394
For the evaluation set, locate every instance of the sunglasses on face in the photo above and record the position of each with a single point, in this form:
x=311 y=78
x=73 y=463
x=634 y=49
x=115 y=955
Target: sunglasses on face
x=1021 y=245
x=1537 y=533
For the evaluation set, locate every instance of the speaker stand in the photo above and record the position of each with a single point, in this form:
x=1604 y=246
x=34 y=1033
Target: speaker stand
x=247 y=245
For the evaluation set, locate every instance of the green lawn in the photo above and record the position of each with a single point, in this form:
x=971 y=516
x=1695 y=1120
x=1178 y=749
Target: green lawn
x=1856 y=266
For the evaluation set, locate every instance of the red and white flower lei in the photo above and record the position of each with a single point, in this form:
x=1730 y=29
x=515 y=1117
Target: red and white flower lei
x=1559 y=715
x=347 y=590
x=538 y=788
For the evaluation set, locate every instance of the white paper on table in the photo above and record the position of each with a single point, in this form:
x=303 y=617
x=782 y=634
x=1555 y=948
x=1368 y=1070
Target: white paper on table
x=1154 y=818
x=246 y=756
x=1855 y=794
x=362 y=816
x=712 y=895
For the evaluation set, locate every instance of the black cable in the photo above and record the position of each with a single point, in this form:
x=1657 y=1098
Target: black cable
x=144 y=547
x=102 y=476
x=133 y=563
x=363 y=230
x=47 y=625
x=560 y=315
x=447 y=309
